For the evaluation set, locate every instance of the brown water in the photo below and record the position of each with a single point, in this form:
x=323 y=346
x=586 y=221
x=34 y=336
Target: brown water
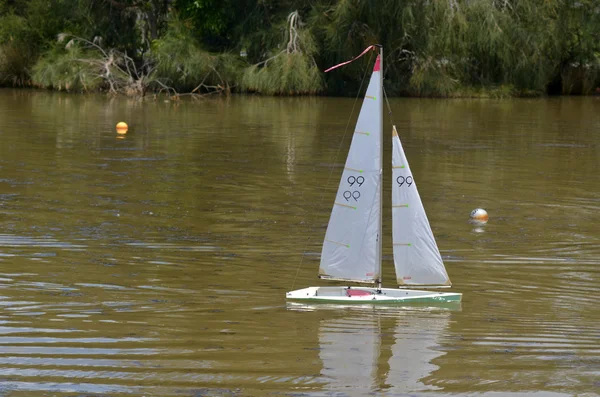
x=157 y=264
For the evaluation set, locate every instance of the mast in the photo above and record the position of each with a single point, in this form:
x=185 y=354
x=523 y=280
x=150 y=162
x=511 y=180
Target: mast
x=380 y=110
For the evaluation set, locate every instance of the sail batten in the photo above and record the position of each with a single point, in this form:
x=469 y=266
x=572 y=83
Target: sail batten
x=417 y=259
x=356 y=216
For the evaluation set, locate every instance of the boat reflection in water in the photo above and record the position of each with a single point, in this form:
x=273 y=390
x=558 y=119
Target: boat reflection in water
x=379 y=349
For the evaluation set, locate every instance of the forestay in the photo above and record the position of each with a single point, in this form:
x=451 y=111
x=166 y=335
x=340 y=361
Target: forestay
x=417 y=258
x=351 y=250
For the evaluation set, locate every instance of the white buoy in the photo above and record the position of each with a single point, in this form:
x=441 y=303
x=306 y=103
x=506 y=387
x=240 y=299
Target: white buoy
x=479 y=215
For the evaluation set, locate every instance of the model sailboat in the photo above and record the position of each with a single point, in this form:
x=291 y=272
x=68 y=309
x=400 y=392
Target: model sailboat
x=352 y=245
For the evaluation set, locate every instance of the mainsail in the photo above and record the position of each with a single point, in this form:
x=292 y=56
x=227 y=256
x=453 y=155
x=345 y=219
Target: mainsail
x=352 y=250
x=416 y=256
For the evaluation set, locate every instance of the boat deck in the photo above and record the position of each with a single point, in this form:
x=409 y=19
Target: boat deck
x=371 y=295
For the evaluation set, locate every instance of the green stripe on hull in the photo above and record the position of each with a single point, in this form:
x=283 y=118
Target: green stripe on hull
x=445 y=299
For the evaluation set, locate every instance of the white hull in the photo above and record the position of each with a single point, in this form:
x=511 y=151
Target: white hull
x=371 y=295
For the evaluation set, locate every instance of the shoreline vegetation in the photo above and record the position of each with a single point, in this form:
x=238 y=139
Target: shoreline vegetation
x=432 y=48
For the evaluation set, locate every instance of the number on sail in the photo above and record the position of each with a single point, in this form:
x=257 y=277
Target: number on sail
x=408 y=181
x=351 y=195
x=353 y=180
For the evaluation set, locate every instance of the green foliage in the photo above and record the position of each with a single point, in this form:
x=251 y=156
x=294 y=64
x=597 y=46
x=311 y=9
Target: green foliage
x=83 y=65
x=436 y=64
x=214 y=21
x=436 y=48
x=580 y=79
x=183 y=65
x=494 y=92
x=216 y=14
x=13 y=28
x=579 y=25
x=16 y=57
x=33 y=25
x=431 y=48
x=432 y=77
x=287 y=74
x=71 y=69
x=15 y=61
x=291 y=71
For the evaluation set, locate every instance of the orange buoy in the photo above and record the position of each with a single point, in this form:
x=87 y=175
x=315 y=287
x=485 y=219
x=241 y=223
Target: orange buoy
x=122 y=128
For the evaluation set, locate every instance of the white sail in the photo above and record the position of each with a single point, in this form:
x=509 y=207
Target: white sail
x=351 y=250
x=416 y=256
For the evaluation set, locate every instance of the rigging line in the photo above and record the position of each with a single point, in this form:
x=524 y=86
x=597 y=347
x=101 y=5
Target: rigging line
x=388 y=105
x=337 y=153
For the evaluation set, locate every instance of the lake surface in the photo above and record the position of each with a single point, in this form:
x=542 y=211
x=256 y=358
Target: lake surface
x=157 y=263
